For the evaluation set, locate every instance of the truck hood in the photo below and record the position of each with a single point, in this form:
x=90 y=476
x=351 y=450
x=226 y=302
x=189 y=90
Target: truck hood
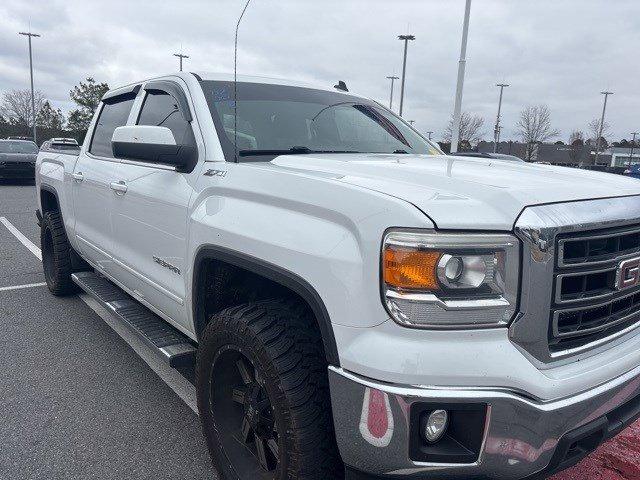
x=463 y=192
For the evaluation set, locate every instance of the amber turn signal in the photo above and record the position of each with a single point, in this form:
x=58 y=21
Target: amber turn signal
x=407 y=268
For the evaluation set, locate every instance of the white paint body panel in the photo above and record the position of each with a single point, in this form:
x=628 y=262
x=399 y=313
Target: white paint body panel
x=465 y=193
x=151 y=220
x=93 y=201
x=323 y=217
x=144 y=134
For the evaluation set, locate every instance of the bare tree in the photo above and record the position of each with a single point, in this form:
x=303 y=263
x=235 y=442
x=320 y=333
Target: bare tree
x=470 y=128
x=594 y=131
x=576 y=140
x=577 y=136
x=534 y=126
x=16 y=106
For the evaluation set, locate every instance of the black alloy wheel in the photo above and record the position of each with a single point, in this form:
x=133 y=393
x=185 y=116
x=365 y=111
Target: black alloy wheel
x=240 y=402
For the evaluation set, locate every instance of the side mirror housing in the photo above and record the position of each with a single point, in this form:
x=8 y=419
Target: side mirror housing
x=150 y=144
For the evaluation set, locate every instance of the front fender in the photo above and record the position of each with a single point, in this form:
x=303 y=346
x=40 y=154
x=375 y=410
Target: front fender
x=52 y=176
x=325 y=232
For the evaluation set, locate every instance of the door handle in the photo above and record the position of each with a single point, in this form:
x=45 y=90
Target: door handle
x=78 y=176
x=119 y=187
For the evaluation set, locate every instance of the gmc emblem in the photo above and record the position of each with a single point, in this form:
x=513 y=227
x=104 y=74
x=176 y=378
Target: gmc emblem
x=628 y=274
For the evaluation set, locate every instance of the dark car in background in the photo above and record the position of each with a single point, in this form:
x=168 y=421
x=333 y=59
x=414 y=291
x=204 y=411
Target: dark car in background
x=499 y=156
x=20 y=138
x=18 y=159
x=504 y=156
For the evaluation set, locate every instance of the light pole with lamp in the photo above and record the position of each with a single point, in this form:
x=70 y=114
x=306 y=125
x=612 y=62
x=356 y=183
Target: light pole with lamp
x=406 y=39
x=496 y=132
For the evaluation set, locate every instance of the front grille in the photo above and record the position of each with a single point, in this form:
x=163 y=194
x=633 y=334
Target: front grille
x=598 y=248
x=573 y=287
x=588 y=306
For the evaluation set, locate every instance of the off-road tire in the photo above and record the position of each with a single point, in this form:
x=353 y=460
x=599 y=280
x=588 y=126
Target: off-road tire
x=56 y=255
x=279 y=338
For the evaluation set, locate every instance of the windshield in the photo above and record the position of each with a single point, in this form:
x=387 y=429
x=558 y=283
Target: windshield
x=277 y=119
x=18 y=147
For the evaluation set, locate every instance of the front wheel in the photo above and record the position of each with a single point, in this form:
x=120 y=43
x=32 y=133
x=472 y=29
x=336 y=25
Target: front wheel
x=263 y=394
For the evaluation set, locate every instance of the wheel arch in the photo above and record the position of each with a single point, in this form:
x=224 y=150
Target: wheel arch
x=268 y=271
x=49 y=200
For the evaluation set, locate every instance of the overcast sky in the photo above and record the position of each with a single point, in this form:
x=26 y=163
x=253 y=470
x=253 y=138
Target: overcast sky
x=560 y=53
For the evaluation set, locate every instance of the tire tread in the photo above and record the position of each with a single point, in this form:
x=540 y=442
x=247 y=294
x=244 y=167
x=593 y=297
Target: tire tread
x=283 y=329
x=60 y=282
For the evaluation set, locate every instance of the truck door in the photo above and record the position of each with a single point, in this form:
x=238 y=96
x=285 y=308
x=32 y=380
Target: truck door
x=150 y=219
x=93 y=175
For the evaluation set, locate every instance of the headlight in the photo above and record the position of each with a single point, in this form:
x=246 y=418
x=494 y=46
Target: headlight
x=450 y=280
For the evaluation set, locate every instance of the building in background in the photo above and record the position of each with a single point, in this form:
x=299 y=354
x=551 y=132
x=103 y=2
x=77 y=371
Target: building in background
x=620 y=156
x=613 y=159
x=556 y=154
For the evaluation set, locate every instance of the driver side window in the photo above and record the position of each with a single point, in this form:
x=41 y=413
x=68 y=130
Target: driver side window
x=114 y=114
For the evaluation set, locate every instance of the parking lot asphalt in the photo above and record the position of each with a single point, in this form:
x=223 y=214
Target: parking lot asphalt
x=80 y=398
x=76 y=401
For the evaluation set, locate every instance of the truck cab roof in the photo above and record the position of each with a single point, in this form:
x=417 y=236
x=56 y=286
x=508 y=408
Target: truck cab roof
x=229 y=77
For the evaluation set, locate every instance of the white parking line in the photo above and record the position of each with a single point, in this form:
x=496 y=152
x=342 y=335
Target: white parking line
x=24 y=240
x=170 y=376
x=20 y=287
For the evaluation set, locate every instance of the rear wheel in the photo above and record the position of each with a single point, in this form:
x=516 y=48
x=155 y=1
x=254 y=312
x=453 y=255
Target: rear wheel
x=263 y=394
x=56 y=255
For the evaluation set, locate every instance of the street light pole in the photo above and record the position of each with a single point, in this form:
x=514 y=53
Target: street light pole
x=604 y=109
x=429 y=133
x=461 y=65
x=180 y=56
x=496 y=133
x=406 y=39
x=633 y=144
x=33 y=101
x=393 y=78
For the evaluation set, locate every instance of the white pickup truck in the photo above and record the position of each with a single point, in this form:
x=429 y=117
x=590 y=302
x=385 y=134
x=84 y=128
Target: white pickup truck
x=355 y=304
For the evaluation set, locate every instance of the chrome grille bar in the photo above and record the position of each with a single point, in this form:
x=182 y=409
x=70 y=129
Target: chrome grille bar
x=585 y=293
x=630 y=310
x=612 y=246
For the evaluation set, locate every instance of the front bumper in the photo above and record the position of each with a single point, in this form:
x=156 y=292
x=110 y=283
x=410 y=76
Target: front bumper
x=17 y=170
x=521 y=438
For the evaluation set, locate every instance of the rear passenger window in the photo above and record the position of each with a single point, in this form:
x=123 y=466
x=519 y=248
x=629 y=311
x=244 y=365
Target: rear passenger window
x=114 y=114
x=161 y=109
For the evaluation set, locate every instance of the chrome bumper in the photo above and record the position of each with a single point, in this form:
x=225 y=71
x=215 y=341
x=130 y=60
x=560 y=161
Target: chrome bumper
x=520 y=438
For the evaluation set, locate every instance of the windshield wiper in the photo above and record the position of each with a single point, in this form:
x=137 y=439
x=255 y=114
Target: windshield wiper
x=296 y=150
